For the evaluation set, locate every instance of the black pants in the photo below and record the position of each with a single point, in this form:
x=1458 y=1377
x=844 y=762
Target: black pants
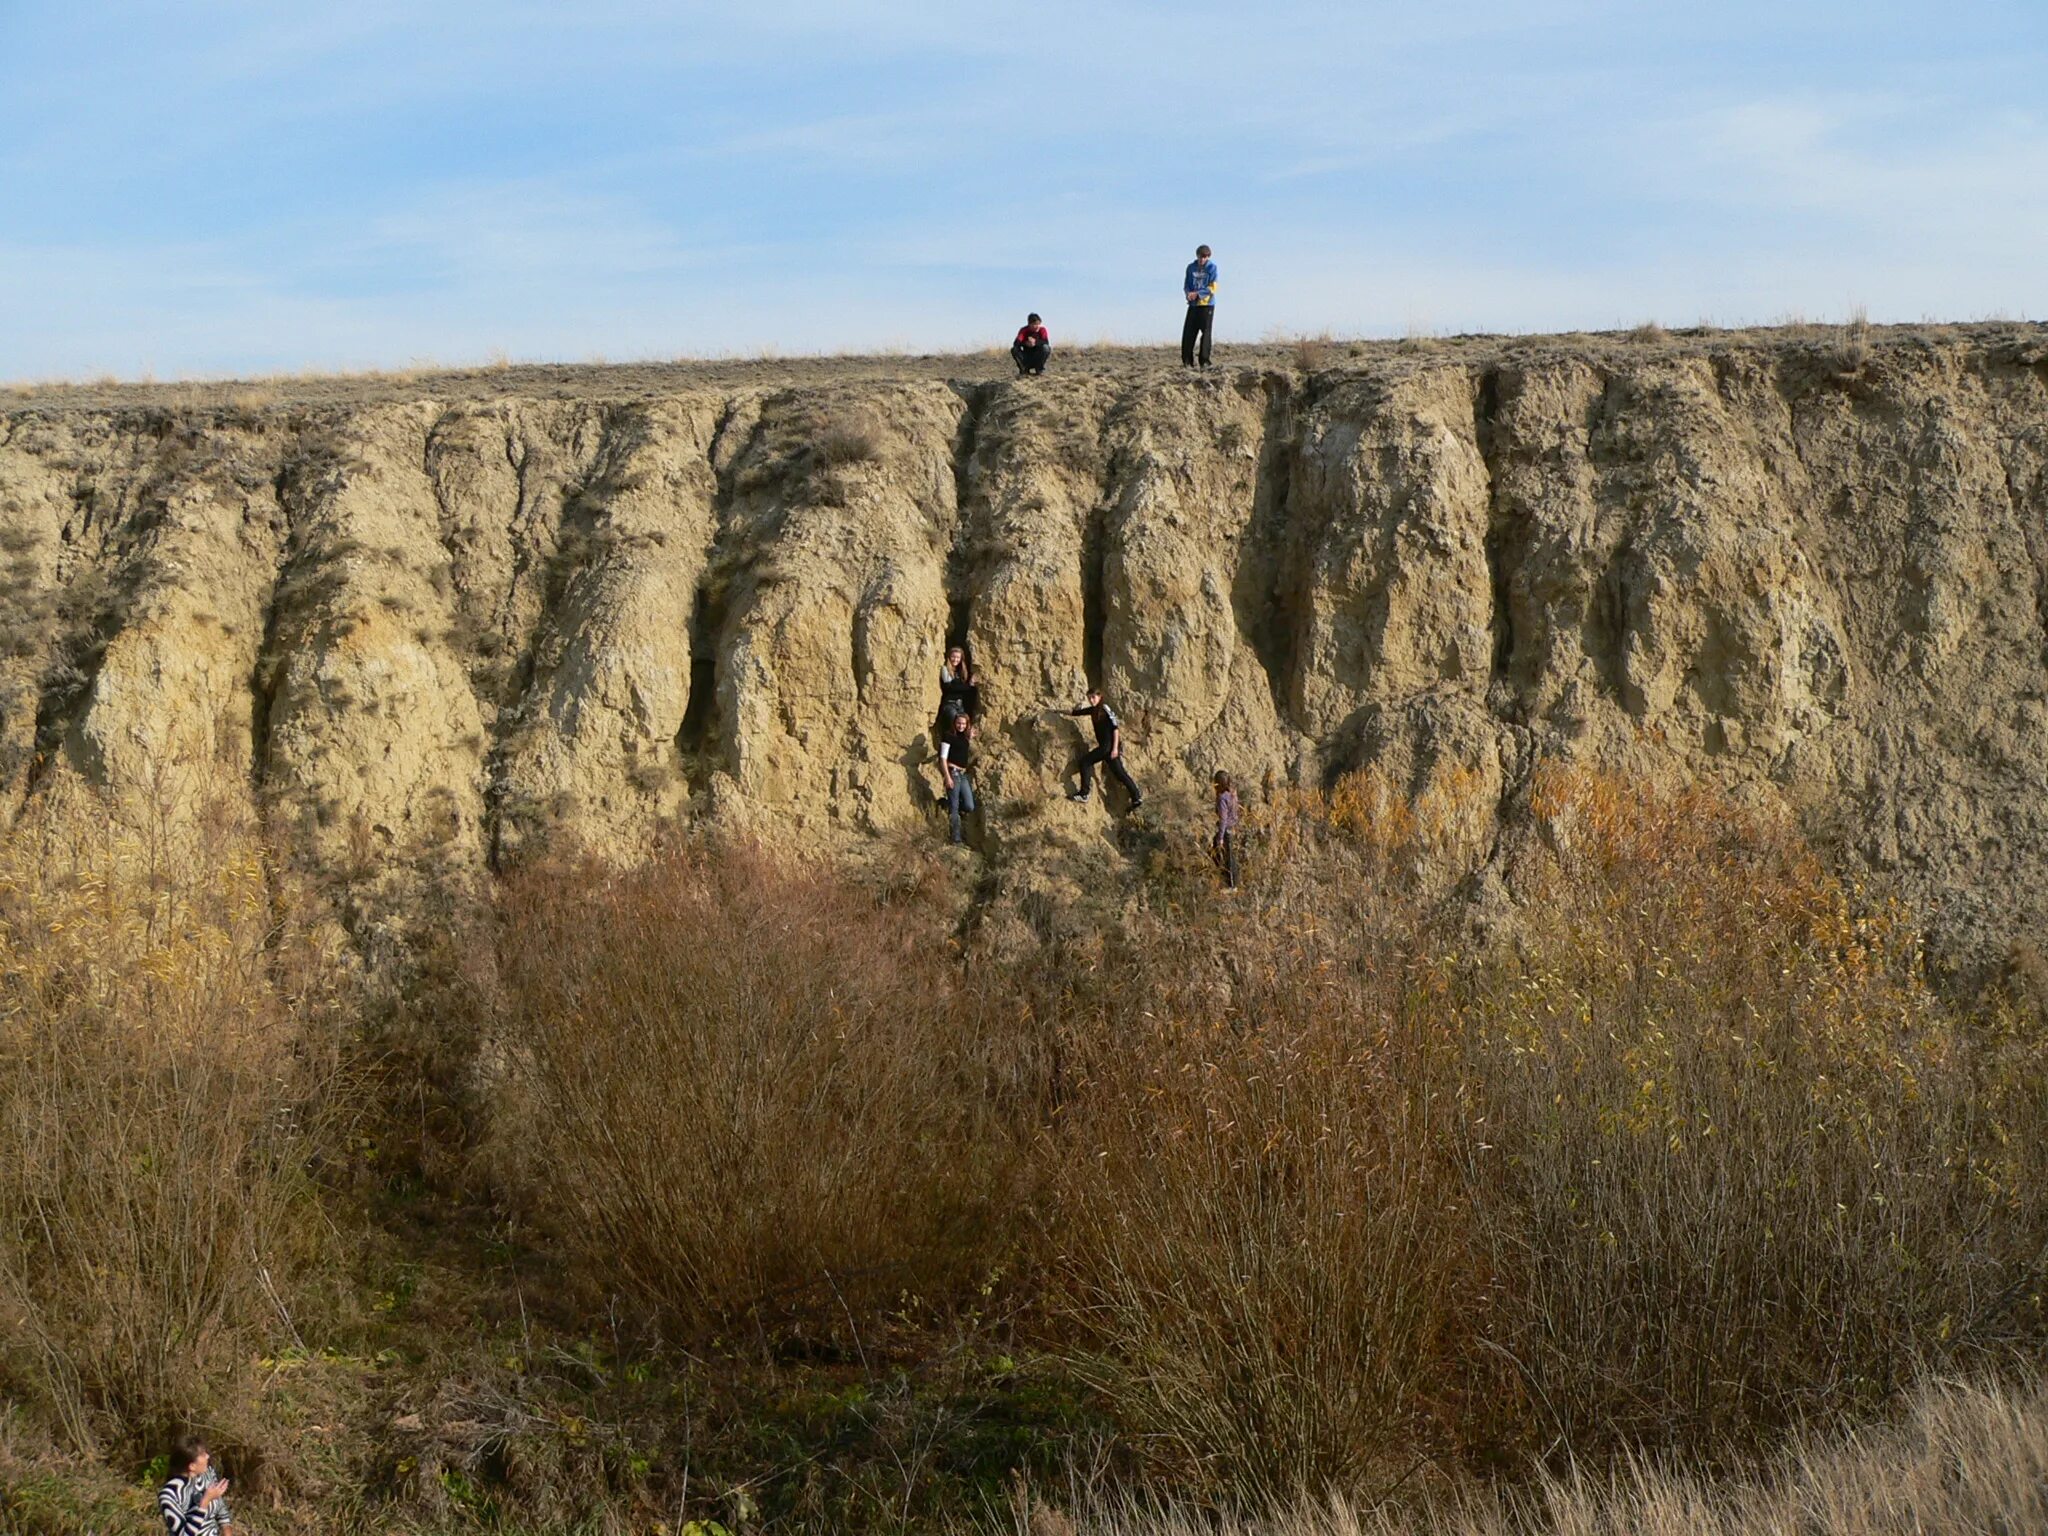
x=1030 y=359
x=1201 y=322
x=1116 y=769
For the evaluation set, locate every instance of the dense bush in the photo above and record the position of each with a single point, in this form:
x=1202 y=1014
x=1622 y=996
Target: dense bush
x=1662 y=1140
x=747 y=1094
x=168 y=1075
x=1683 y=1150
x=1732 y=1163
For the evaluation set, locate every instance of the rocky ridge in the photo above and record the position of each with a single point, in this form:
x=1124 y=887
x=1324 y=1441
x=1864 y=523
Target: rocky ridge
x=419 y=633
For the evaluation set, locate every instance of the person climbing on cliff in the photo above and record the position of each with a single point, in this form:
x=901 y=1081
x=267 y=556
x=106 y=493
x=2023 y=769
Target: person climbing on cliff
x=1032 y=347
x=1109 y=749
x=1223 y=846
x=1199 y=288
x=194 y=1501
x=959 y=692
x=956 y=767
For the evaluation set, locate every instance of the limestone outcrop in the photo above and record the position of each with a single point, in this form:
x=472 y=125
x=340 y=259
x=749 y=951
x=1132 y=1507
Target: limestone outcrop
x=418 y=634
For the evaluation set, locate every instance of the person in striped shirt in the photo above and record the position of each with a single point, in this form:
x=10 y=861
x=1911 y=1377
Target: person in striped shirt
x=195 y=1500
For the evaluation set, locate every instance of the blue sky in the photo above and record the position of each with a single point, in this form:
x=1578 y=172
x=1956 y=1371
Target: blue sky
x=234 y=187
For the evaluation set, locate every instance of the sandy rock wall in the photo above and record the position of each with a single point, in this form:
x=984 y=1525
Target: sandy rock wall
x=417 y=636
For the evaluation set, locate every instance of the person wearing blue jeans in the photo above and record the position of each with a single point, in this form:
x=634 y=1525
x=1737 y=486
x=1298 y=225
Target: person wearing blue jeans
x=956 y=767
x=1199 y=289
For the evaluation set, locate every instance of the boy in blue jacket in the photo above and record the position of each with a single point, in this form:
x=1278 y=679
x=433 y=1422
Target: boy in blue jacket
x=1199 y=288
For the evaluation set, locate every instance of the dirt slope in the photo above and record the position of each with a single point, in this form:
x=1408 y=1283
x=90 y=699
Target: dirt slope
x=420 y=621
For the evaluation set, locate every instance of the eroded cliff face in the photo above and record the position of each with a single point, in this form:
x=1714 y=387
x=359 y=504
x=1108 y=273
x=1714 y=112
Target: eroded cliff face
x=419 y=634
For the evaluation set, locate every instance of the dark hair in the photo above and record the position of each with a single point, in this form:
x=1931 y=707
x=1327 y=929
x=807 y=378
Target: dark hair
x=1031 y=319
x=1201 y=250
x=185 y=1450
x=1222 y=779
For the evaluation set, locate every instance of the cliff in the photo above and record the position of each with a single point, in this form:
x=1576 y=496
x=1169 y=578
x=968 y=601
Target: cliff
x=418 y=623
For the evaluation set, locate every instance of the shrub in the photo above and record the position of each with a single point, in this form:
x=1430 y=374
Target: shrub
x=1732 y=1160
x=746 y=1094
x=1693 y=1156
x=1264 y=1250
x=168 y=1073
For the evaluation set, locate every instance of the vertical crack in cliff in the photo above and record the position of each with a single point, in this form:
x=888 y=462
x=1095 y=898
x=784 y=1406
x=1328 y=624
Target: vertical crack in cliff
x=1094 y=598
x=1500 y=549
x=960 y=574
x=1265 y=594
x=269 y=666
x=701 y=745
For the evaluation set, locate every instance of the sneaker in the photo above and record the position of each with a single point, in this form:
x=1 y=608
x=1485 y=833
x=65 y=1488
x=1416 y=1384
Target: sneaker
x=1079 y=798
x=1138 y=802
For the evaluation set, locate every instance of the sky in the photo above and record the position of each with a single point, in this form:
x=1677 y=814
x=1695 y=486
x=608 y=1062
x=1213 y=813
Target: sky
x=238 y=187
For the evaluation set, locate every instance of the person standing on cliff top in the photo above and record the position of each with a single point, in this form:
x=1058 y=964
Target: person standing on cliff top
x=1199 y=288
x=1109 y=749
x=1032 y=347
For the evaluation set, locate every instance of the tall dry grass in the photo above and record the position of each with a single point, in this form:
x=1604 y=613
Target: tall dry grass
x=753 y=1097
x=1962 y=1459
x=169 y=1069
x=1327 y=1179
x=1731 y=1161
x=1694 y=1156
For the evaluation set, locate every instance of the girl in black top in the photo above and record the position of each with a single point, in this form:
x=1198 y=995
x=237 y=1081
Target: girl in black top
x=959 y=693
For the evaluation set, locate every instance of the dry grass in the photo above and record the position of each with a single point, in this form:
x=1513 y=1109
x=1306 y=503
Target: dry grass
x=1962 y=1459
x=1699 y=1158
x=1313 y=353
x=851 y=436
x=752 y=1097
x=168 y=1074
x=1303 y=1190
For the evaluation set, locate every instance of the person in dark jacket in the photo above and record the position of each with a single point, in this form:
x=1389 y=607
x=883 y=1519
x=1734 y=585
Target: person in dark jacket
x=1223 y=846
x=1198 y=287
x=956 y=767
x=1032 y=347
x=194 y=1501
x=1109 y=749
x=959 y=691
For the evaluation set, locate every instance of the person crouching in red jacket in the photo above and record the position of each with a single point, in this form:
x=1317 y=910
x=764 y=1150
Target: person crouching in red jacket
x=1032 y=347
